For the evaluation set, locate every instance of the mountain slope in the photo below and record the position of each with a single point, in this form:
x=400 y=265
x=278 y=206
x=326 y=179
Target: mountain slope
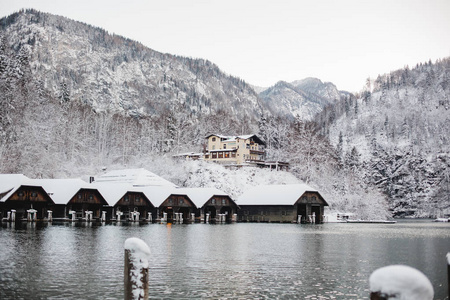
x=78 y=62
x=398 y=133
x=303 y=98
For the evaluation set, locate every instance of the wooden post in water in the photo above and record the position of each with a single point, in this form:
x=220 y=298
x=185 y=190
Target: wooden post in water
x=448 y=273
x=136 y=269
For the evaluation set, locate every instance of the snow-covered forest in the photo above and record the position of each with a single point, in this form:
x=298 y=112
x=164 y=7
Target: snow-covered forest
x=396 y=133
x=75 y=99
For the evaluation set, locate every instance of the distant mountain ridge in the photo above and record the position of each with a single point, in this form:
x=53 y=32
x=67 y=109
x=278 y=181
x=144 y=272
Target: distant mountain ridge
x=302 y=98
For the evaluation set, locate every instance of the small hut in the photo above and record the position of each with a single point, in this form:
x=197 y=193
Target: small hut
x=292 y=203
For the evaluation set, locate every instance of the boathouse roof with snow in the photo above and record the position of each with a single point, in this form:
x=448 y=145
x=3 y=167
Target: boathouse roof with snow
x=281 y=203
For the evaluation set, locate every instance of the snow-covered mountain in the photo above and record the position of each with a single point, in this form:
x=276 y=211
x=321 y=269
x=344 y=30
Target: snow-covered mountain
x=397 y=135
x=302 y=98
x=78 y=62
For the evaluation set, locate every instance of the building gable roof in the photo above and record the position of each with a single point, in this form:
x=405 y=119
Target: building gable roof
x=287 y=194
x=61 y=190
x=9 y=183
x=199 y=196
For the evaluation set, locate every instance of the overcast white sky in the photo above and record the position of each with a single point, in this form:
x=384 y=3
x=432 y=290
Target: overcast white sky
x=262 y=42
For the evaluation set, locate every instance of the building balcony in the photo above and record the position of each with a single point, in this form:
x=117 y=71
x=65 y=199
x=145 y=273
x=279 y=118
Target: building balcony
x=257 y=152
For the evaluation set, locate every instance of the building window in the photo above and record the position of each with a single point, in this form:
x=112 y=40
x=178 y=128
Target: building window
x=170 y=201
x=79 y=196
x=181 y=201
x=126 y=199
x=214 y=155
x=233 y=155
x=224 y=201
x=20 y=194
x=220 y=154
x=91 y=197
x=227 y=155
x=207 y=156
x=213 y=201
x=137 y=199
x=224 y=146
x=33 y=194
x=213 y=139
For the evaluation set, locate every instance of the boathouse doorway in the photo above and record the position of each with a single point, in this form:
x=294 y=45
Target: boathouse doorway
x=211 y=210
x=228 y=212
x=315 y=210
x=169 y=212
x=301 y=211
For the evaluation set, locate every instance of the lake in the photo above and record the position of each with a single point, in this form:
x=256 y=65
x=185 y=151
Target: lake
x=229 y=261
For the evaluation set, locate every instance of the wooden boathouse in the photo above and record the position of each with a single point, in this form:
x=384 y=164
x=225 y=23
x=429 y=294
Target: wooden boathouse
x=291 y=203
x=213 y=205
x=21 y=199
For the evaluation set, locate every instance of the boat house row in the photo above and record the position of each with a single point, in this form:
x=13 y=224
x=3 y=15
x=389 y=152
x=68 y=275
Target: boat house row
x=134 y=195
x=139 y=195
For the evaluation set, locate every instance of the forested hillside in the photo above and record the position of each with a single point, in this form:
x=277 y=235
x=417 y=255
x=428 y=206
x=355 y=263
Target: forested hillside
x=397 y=135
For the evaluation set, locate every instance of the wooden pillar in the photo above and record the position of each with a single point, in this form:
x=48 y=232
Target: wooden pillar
x=137 y=253
x=448 y=273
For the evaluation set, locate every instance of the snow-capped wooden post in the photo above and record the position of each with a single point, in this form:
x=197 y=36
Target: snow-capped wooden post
x=137 y=253
x=400 y=282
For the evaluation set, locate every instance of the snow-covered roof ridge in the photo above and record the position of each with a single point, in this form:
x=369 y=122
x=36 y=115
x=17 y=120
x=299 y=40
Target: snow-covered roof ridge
x=9 y=183
x=157 y=194
x=280 y=194
x=61 y=190
x=199 y=196
x=134 y=177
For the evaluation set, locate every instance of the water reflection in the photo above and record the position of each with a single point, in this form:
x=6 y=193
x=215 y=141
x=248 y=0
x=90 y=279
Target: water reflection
x=262 y=261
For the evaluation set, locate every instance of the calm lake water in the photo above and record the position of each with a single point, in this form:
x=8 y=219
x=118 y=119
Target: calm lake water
x=235 y=261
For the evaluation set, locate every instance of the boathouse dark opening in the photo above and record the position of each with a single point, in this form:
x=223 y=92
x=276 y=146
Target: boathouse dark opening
x=315 y=210
x=186 y=214
x=228 y=213
x=169 y=212
x=301 y=210
x=211 y=210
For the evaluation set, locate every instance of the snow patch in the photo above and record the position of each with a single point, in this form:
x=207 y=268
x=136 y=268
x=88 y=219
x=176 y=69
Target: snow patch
x=403 y=282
